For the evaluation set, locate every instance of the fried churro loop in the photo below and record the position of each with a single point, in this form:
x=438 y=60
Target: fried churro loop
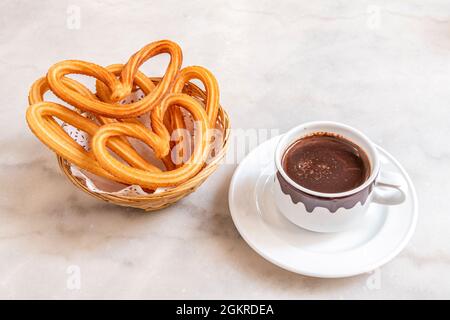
x=42 y=120
x=37 y=118
x=119 y=88
x=211 y=104
x=150 y=179
x=211 y=87
x=131 y=67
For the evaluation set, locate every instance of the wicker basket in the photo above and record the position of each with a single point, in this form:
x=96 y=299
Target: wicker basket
x=163 y=199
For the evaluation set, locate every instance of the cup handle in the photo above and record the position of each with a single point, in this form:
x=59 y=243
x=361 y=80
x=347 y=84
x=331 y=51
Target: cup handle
x=389 y=189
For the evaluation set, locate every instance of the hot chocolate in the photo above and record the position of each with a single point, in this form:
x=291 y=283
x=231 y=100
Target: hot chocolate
x=327 y=163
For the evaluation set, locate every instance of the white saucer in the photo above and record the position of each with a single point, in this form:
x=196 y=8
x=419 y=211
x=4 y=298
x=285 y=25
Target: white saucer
x=383 y=234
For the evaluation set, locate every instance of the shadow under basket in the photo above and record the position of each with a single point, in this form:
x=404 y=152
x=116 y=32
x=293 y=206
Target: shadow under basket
x=167 y=197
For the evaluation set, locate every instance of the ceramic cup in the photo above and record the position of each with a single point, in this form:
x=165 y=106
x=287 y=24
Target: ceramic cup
x=333 y=212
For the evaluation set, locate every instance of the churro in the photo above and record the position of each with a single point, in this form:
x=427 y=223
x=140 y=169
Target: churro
x=109 y=123
x=119 y=88
x=152 y=179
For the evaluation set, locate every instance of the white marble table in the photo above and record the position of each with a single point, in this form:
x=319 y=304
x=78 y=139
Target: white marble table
x=381 y=66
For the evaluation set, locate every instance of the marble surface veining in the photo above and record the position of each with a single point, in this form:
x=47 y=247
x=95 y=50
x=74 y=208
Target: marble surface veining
x=381 y=66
